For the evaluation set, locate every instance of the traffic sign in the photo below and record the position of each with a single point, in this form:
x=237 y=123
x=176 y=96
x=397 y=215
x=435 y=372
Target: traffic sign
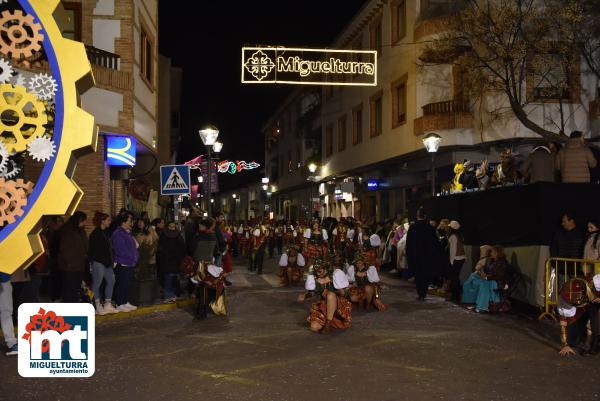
x=175 y=180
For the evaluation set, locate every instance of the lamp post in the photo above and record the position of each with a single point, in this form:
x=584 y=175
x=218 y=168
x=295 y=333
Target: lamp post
x=209 y=135
x=432 y=144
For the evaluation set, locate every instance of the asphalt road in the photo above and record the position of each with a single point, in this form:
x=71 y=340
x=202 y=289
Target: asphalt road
x=264 y=351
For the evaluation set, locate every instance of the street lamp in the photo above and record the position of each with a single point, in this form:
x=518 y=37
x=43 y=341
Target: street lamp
x=312 y=167
x=217 y=147
x=432 y=144
x=234 y=196
x=209 y=135
x=265 y=180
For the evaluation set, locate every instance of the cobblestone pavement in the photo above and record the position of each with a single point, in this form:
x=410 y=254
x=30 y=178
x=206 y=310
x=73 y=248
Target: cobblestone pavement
x=263 y=351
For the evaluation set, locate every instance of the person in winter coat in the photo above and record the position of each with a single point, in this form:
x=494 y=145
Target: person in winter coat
x=575 y=160
x=424 y=253
x=101 y=260
x=125 y=253
x=72 y=256
x=539 y=166
x=171 y=251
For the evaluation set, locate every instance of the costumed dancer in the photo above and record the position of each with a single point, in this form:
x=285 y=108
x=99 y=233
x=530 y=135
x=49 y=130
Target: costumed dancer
x=340 y=237
x=210 y=284
x=291 y=265
x=315 y=242
x=257 y=250
x=370 y=248
x=578 y=303
x=332 y=310
x=243 y=238
x=365 y=289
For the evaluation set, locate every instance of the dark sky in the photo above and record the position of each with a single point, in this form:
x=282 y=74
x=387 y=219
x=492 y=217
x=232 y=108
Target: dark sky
x=206 y=42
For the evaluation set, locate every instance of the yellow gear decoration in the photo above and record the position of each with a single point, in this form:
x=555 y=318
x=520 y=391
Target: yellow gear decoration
x=79 y=136
x=23 y=117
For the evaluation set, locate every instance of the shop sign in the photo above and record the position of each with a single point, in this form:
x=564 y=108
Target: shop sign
x=373 y=185
x=304 y=66
x=120 y=150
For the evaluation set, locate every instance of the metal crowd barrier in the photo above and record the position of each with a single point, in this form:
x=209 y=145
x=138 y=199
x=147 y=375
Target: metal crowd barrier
x=558 y=271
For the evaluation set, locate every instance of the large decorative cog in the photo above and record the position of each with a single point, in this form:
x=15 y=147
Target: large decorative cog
x=23 y=117
x=6 y=71
x=74 y=131
x=41 y=149
x=43 y=85
x=12 y=200
x=20 y=35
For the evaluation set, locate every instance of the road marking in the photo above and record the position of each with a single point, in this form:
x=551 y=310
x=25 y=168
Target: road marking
x=272 y=279
x=239 y=280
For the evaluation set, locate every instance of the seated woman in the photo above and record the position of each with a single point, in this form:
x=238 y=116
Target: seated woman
x=332 y=310
x=491 y=274
x=365 y=290
x=291 y=265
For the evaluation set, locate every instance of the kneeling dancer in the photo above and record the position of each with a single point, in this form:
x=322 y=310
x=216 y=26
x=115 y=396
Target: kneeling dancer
x=577 y=304
x=366 y=290
x=291 y=266
x=332 y=310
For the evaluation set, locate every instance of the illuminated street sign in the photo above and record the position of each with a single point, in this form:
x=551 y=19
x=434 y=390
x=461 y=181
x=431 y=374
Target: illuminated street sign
x=267 y=65
x=226 y=166
x=120 y=151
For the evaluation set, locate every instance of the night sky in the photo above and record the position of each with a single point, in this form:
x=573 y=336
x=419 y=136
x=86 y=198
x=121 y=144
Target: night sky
x=206 y=42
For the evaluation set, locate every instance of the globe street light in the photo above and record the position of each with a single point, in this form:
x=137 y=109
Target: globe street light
x=312 y=167
x=217 y=146
x=209 y=135
x=432 y=143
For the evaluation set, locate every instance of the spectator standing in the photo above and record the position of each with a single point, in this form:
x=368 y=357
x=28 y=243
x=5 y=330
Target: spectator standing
x=456 y=250
x=575 y=160
x=6 y=315
x=568 y=241
x=159 y=225
x=21 y=288
x=221 y=242
x=125 y=256
x=171 y=251
x=101 y=260
x=147 y=240
x=72 y=256
x=591 y=250
x=423 y=253
x=539 y=166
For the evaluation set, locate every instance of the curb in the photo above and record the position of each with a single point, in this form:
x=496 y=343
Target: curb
x=145 y=310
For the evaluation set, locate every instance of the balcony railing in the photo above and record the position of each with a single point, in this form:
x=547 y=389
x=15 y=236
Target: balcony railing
x=103 y=58
x=450 y=106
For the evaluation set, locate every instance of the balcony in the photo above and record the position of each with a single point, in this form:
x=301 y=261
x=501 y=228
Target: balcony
x=103 y=58
x=450 y=114
x=106 y=67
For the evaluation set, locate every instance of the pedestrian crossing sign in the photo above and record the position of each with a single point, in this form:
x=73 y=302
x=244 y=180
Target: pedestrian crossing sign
x=175 y=180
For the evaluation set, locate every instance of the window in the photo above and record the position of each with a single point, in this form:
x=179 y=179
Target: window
x=72 y=27
x=290 y=165
x=146 y=56
x=398 y=102
x=357 y=125
x=377 y=37
x=552 y=77
x=328 y=140
x=398 y=11
x=376 y=119
x=342 y=133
